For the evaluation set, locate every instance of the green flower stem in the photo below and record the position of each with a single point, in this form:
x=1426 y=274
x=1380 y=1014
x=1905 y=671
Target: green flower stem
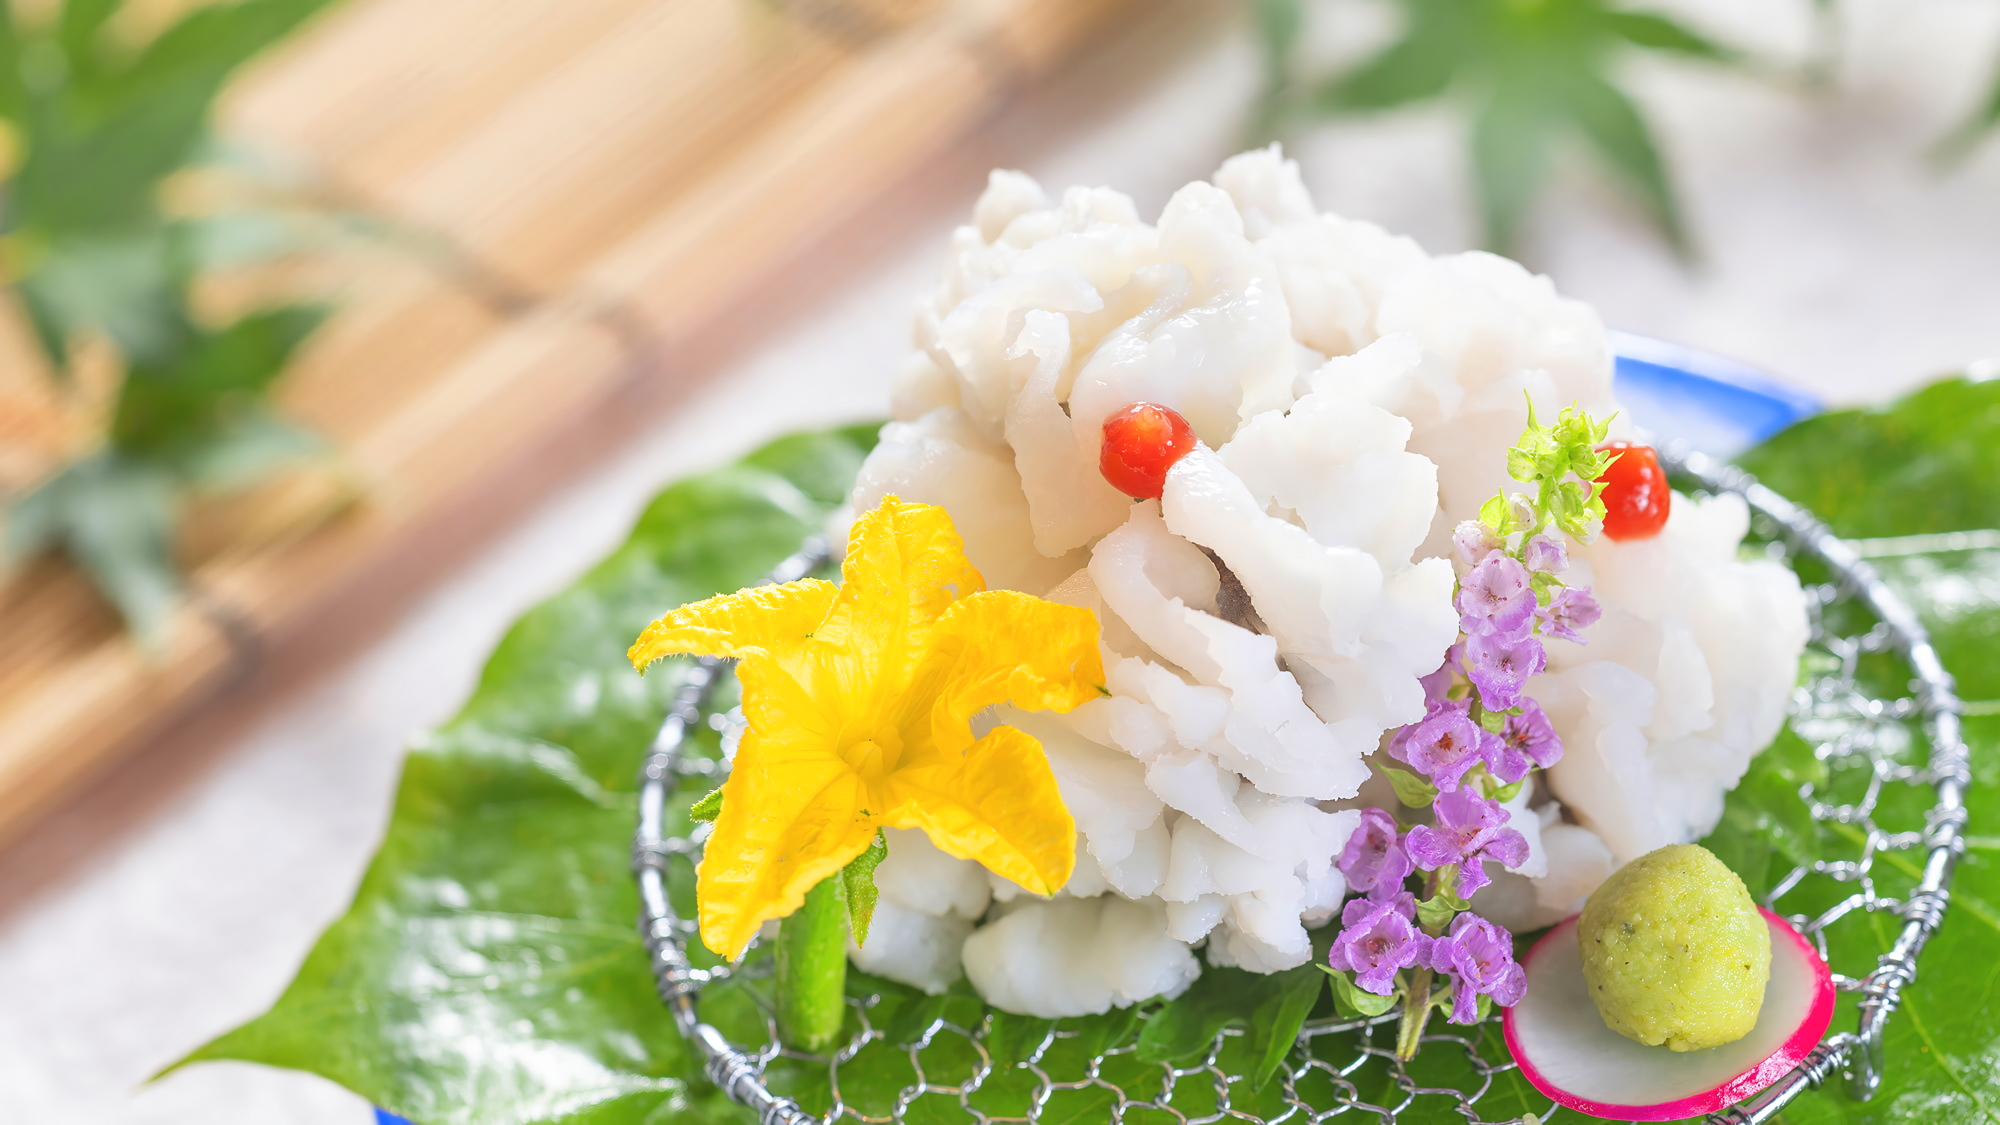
x=1417 y=1000
x=812 y=969
x=1416 y=1012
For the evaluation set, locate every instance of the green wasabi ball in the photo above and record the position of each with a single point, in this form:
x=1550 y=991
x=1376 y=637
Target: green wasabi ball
x=1675 y=951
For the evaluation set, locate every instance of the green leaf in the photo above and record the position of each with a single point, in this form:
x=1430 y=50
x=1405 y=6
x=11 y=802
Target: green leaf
x=1278 y=25
x=1442 y=907
x=709 y=807
x=1530 y=76
x=209 y=43
x=1272 y=1007
x=77 y=29
x=114 y=516
x=1011 y=1039
x=13 y=92
x=1612 y=125
x=212 y=387
x=1420 y=65
x=858 y=877
x=247 y=448
x=121 y=285
x=1354 y=1001
x=1512 y=136
x=1763 y=818
x=1959 y=143
x=87 y=174
x=1437 y=912
x=1925 y=463
x=1416 y=792
x=489 y=970
x=1659 y=32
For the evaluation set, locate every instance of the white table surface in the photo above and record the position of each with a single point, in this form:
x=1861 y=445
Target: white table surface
x=1831 y=256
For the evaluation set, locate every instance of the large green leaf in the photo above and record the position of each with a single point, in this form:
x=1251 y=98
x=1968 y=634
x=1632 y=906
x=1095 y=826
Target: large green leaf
x=490 y=971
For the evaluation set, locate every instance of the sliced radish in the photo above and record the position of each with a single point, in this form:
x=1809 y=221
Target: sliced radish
x=1566 y=1051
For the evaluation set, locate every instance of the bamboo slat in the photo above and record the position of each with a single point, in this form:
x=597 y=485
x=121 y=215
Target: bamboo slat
x=605 y=177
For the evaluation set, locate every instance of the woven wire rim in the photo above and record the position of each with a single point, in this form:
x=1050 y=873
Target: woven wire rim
x=1849 y=728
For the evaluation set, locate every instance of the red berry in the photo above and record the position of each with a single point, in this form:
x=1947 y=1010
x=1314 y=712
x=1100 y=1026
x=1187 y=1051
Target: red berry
x=1141 y=442
x=1636 y=497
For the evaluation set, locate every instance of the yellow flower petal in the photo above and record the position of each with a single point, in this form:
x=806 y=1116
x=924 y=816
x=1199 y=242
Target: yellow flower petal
x=905 y=566
x=1001 y=646
x=765 y=618
x=996 y=804
x=791 y=814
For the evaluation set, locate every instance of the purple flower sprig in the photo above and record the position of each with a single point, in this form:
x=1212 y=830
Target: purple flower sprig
x=1479 y=740
x=1511 y=599
x=1396 y=946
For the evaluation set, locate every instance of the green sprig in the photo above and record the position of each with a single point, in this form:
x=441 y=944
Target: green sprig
x=1563 y=462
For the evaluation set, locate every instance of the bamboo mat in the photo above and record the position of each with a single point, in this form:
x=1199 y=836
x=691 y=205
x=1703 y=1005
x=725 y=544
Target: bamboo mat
x=610 y=176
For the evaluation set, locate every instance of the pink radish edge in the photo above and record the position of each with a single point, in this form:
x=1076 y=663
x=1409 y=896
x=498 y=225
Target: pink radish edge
x=1747 y=1082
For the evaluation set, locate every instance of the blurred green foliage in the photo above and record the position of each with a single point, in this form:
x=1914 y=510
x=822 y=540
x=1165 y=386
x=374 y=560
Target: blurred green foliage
x=1532 y=76
x=95 y=124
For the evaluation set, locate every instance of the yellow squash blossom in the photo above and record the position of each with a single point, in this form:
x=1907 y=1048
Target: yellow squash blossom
x=859 y=700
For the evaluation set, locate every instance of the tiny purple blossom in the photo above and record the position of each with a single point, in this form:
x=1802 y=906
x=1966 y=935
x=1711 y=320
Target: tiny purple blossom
x=1373 y=860
x=1470 y=830
x=1500 y=665
x=1437 y=686
x=1495 y=599
x=1474 y=541
x=1480 y=957
x=1570 y=610
x=1403 y=902
x=1505 y=760
x=1546 y=554
x=1530 y=733
x=1375 y=942
x=1443 y=746
x=1526 y=741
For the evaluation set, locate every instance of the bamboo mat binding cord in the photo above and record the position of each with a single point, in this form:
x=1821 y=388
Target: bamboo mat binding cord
x=590 y=183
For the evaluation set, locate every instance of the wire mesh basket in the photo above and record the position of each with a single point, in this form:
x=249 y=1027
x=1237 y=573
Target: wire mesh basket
x=1875 y=706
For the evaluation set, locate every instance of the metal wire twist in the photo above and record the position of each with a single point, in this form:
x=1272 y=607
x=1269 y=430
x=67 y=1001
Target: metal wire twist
x=1337 y=1065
